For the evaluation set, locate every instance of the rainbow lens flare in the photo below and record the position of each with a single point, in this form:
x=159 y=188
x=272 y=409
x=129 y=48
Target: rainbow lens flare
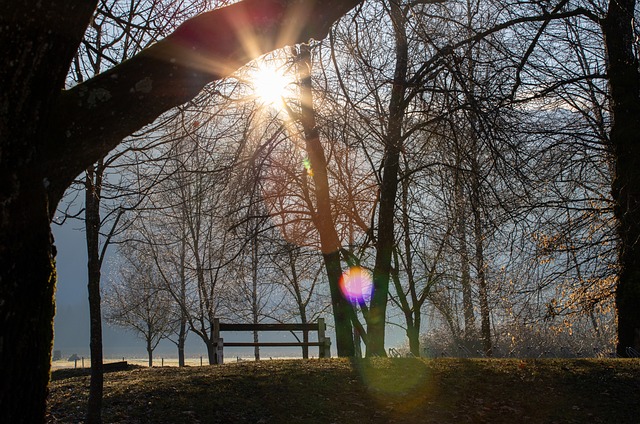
x=356 y=285
x=307 y=165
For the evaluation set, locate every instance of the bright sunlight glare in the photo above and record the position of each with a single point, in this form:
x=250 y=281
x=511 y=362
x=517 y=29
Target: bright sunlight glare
x=270 y=85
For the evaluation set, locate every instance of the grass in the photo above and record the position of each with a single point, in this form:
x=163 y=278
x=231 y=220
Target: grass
x=367 y=391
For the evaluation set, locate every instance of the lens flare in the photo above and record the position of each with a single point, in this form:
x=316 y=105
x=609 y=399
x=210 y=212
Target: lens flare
x=356 y=285
x=307 y=165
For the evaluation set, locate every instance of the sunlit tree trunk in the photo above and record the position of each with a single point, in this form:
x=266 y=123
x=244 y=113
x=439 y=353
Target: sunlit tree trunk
x=322 y=216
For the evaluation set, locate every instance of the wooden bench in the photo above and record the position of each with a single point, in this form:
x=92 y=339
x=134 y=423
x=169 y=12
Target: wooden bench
x=323 y=343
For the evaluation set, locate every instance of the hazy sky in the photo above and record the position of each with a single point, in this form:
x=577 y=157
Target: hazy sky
x=72 y=316
x=72 y=311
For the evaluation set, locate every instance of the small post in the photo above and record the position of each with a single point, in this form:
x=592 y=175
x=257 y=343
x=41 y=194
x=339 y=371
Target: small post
x=200 y=360
x=218 y=356
x=327 y=347
x=325 y=342
x=162 y=362
x=83 y=362
x=75 y=362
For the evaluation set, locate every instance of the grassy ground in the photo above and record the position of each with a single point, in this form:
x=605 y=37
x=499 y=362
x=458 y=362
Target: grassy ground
x=369 y=391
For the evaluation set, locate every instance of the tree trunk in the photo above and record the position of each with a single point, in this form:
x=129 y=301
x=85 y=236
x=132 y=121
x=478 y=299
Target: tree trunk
x=376 y=319
x=27 y=274
x=305 y=334
x=485 y=323
x=150 y=353
x=182 y=337
x=254 y=293
x=32 y=73
x=322 y=217
x=624 y=81
x=342 y=310
x=465 y=268
x=413 y=334
x=93 y=185
x=182 y=334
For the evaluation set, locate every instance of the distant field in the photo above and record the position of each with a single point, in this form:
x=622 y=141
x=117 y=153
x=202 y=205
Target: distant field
x=402 y=391
x=168 y=362
x=157 y=362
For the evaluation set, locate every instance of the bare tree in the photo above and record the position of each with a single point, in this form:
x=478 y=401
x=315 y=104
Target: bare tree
x=137 y=301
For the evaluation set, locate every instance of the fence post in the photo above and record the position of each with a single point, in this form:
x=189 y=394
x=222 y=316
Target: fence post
x=218 y=356
x=325 y=347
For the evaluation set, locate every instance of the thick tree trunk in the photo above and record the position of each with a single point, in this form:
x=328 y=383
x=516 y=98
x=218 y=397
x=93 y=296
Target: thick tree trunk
x=34 y=65
x=28 y=278
x=413 y=335
x=624 y=81
x=342 y=310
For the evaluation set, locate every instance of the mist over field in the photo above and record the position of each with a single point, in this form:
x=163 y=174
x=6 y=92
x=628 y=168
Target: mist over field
x=72 y=315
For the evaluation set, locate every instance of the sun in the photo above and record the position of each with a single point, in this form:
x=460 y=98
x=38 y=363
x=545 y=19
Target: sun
x=270 y=85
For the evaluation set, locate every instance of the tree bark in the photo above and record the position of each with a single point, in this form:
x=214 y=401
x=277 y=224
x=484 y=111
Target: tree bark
x=182 y=337
x=624 y=82
x=48 y=136
x=465 y=268
x=93 y=186
x=376 y=319
x=150 y=353
x=322 y=216
x=478 y=233
x=28 y=278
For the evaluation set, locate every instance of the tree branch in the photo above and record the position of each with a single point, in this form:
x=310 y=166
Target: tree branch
x=93 y=117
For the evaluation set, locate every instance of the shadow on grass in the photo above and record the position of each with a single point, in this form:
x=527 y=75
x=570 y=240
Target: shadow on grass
x=376 y=390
